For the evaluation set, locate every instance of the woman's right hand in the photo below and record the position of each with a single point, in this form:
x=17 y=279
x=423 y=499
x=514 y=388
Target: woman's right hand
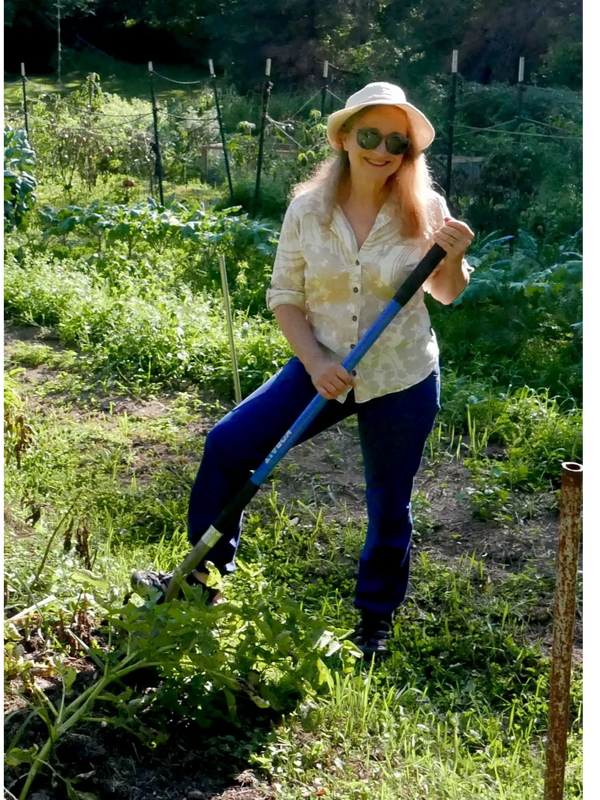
x=329 y=378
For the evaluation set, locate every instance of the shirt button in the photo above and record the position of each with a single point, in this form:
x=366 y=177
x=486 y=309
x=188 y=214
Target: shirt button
x=355 y=289
x=357 y=263
x=354 y=372
x=354 y=318
x=352 y=346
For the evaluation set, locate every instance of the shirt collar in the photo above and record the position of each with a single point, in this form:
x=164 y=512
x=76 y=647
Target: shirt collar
x=386 y=213
x=342 y=228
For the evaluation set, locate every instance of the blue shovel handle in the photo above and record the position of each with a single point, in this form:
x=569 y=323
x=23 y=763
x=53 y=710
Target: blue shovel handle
x=234 y=508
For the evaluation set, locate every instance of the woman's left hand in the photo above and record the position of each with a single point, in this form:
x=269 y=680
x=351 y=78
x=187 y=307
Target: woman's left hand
x=454 y=237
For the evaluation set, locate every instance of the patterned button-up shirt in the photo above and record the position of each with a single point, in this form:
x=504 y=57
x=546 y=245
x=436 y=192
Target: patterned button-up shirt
x=343 y=290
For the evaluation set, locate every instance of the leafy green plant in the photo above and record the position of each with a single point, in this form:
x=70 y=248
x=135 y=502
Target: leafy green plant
x=18 y=433
x=19 y=183
x=529 y=306
x=62 y=717
x=92 y=134
x=489 y=497
x=243 y=146
x=192 y=237
x=206 y=661
x=524 y=273
x=532 y=436
x=536 y=433
x=143 y=335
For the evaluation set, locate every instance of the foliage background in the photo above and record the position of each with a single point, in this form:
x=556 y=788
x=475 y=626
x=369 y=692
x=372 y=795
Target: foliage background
x=395 y=40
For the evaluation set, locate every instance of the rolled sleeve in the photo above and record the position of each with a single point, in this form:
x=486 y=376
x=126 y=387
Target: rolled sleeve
x=287 y=280
x=441 y=210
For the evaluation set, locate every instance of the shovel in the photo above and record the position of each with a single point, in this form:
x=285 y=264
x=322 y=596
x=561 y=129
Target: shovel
x=235 y=507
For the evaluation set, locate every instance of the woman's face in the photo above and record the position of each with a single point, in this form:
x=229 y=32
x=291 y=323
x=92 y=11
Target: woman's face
x=375 y=164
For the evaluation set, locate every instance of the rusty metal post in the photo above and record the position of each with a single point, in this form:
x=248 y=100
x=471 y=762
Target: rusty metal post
x=564 y=620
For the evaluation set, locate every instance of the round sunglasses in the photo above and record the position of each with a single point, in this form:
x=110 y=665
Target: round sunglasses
x=369 y=138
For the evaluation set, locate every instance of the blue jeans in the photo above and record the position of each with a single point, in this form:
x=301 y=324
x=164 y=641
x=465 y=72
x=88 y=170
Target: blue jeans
x=393 y=430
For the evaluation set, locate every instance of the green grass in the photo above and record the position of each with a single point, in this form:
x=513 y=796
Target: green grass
x=458 y=710
x=371 y=738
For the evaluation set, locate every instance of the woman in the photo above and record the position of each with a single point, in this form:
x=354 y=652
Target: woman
x=350 y=237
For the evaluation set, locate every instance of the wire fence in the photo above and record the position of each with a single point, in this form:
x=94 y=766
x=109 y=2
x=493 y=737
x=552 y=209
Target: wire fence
x=514 y=133
x=174 y=145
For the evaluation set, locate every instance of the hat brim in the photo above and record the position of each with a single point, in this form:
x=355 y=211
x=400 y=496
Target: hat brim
x=423 y=130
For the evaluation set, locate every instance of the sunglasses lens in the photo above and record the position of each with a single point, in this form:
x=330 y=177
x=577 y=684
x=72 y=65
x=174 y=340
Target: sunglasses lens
x=397 y=145
x=368 y=138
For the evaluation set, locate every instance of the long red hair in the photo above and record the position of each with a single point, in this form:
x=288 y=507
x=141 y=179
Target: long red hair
x=412 y=184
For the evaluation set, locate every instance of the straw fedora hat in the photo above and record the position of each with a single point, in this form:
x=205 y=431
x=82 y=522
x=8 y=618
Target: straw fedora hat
x=382 y=94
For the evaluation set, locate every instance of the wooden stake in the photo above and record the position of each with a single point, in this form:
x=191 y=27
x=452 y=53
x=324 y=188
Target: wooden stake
x=236 y=378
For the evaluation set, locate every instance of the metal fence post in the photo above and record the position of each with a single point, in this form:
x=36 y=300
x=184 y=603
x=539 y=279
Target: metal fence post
x=158 y=169
x=451 y=113
x=25 y=101
x=265 y=111
x=221 y=129
x=59 y=50
x=521 y=89
x=564 y=621
x=325 y=87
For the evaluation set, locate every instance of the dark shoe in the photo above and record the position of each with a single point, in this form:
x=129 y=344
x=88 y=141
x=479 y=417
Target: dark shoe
x=372 y=632
x=148 y=583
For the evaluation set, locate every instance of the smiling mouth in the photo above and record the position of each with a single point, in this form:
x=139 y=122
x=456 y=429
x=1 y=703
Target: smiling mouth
x=377 y=163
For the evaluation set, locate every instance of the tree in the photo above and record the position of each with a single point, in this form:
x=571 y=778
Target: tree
x=33 y=28
x=30 y=13
x=409 y=42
